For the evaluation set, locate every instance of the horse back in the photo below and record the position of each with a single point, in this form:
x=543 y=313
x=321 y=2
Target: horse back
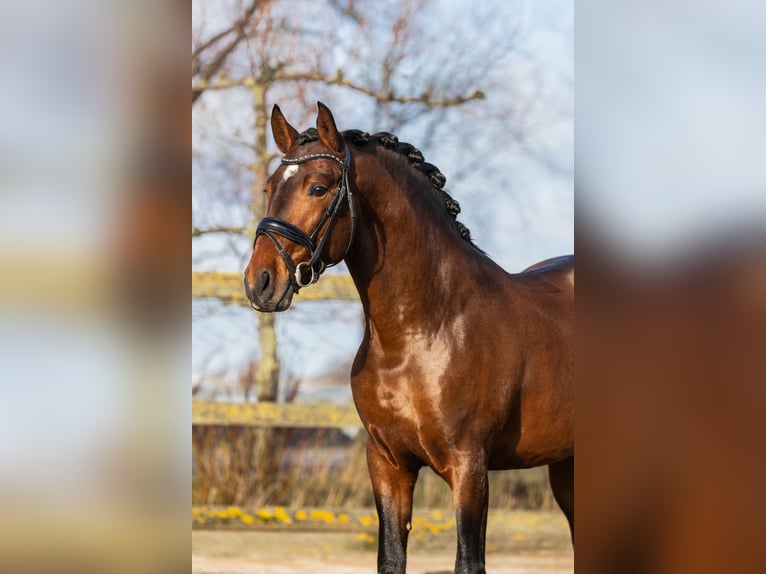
x=562 y=265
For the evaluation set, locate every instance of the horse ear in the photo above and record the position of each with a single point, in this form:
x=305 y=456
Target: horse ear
x=284 y=134
x=328 y=132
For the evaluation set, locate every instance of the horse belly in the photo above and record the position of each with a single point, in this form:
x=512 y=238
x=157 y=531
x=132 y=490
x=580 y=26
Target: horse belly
x=537 y=426
x=529 y=440
x=509 y=452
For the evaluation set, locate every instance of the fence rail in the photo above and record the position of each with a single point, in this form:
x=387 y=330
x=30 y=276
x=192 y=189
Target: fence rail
x=275 y=415
x=228 y=287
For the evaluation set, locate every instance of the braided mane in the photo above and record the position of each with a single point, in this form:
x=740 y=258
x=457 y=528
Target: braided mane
x=414 y=158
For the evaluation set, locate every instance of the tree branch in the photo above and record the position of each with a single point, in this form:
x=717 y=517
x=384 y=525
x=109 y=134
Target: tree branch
x=207 y=72
x=208 y=43
x=426 y=98
x=197 y=232
x=350 y=10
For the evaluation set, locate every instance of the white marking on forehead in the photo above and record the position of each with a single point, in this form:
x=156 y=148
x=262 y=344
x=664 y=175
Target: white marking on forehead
x=290 y=171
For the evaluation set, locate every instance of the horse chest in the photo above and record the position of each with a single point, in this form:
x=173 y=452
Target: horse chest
x=385 y=403
x=401 y=437
x=402 y=415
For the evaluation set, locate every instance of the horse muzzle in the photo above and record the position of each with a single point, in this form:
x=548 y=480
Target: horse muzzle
x=266 y=293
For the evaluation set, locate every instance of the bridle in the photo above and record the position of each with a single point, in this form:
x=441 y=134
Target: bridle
x=272 y=226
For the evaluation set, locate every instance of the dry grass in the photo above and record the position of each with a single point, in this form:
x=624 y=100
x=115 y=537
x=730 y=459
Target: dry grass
x=323 y=469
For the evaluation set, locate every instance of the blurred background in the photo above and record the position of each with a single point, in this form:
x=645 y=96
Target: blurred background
x=671 y=299
x=94 y=355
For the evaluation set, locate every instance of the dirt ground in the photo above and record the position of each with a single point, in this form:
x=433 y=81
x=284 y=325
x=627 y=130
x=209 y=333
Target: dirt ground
x=518 y=543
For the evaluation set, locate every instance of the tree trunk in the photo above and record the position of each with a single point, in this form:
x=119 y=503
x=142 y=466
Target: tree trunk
x=267 y=374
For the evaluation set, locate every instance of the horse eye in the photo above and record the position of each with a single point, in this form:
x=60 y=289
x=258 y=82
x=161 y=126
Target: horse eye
x=317 y=190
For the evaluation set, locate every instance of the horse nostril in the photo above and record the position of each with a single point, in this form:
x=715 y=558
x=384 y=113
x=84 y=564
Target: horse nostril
x=264 y=287
x=264 y=282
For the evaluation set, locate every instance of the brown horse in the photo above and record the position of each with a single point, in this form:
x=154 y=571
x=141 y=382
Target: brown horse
x=463 y=367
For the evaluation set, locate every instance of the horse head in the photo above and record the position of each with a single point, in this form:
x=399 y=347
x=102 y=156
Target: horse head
x=309 y=215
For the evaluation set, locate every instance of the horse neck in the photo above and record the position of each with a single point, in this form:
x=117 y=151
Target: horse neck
x=407 y=260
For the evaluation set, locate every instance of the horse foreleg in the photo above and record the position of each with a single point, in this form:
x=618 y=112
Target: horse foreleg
x=561 y=476
x=470 y=490
x=392 y=486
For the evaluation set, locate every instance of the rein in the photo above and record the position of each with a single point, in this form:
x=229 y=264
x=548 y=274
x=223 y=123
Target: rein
x=273 y=226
